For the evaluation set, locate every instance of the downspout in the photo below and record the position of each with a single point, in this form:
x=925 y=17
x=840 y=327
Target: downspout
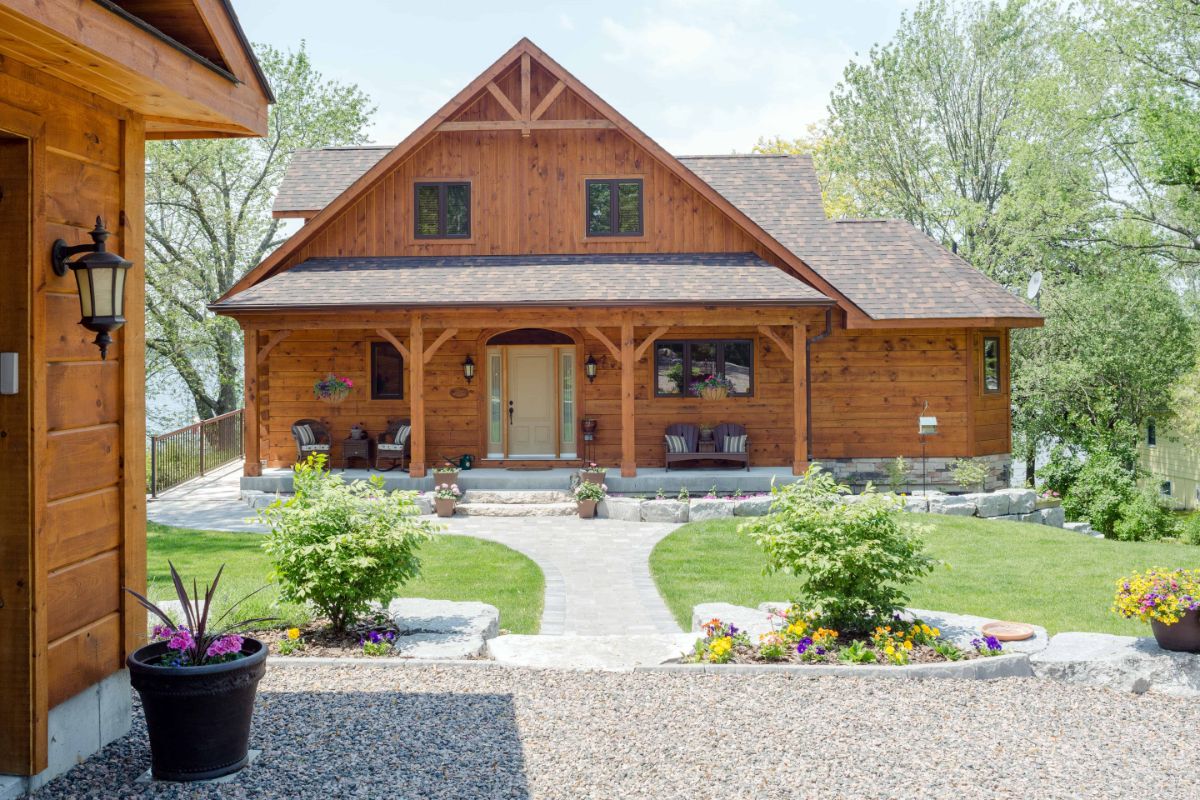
x=808 y=376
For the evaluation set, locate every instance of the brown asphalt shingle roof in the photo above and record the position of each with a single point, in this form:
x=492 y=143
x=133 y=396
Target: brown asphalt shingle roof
x=677 y=278
x=887 y=268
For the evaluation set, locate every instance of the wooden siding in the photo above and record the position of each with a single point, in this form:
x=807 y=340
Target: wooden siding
x=88 y=493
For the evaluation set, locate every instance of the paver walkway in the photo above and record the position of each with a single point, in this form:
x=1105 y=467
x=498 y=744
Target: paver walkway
x=597 y=571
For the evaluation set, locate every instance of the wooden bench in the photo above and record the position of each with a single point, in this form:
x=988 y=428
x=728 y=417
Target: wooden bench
x=691 y=438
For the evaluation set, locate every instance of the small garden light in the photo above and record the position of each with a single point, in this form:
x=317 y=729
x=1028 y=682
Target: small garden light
x=589 y=368
x=469 y=368
x=100 y=276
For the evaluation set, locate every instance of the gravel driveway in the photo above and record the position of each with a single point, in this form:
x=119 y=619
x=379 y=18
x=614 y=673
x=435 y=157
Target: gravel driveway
x=489 y=732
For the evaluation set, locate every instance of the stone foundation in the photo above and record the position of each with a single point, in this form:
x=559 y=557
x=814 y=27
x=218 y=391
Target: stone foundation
x=858 y=471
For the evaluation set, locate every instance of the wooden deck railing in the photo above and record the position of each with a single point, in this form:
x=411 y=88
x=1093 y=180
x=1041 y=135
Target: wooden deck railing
x=190 y=452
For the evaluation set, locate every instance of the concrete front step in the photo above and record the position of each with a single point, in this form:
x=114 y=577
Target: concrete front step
x=517 y=509
x=524 y=498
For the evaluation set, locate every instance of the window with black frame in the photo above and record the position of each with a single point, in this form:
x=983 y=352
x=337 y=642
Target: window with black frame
x=614 y=207
x=991 y=365
x=442 y=210
x=680 y=365
x=387 y=372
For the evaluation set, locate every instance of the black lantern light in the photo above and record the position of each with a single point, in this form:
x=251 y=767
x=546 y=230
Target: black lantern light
x=100 y=276
x=469 y=368
x=589 y=368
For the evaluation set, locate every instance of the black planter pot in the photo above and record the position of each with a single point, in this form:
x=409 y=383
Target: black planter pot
x=198 y=717
x=1183 y=636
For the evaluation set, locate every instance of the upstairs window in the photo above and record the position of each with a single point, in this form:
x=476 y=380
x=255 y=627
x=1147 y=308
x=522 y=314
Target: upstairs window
x=679 y=366
x=387 y=372
x=614 y=207
x=1151 y=434
x=991 y=365
x=443 y=210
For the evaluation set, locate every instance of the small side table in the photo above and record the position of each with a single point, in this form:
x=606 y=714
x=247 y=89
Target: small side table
x=706 y=447
x=356 y=448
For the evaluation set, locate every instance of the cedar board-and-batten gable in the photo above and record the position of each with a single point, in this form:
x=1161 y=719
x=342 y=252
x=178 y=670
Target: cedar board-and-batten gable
x=564 y=103
x=154 y=57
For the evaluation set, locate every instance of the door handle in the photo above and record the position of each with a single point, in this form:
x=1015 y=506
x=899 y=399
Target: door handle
x=510 y=412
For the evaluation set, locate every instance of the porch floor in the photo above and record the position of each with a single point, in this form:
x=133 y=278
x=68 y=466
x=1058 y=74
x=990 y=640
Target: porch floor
x=648 y=480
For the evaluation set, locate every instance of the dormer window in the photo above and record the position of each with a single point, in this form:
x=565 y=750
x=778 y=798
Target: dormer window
x=443 y=210
x=614 y=207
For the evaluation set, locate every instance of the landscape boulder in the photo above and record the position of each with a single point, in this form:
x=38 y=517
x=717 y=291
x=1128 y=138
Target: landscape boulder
x=628 y=509
x=989 y=504
x=954 y=505
x=752 y=621
x=710 y=508
x=753 y=506
x=664 y=511
x=1053 y=516
x=442 y=629
x=1020 y=501
x=1128 y=663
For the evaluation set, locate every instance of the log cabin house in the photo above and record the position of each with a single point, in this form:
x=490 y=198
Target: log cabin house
x=83 y=84
x=529 y=231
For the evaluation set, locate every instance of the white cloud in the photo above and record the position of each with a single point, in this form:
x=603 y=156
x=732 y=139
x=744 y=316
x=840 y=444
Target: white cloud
x=565 y=22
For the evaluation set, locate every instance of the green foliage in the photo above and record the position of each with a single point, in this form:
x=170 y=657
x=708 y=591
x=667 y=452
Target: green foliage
x=898 y=473
x=970 y=473
x=338 y=546
x=1143 y=517
x=1100 y=490
x=858 y=652
x=854 y=560
x=1189 y=529
x=1061 y=471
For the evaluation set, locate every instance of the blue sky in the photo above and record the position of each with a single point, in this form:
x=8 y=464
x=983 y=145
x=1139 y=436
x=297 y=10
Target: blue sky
x=699 y=76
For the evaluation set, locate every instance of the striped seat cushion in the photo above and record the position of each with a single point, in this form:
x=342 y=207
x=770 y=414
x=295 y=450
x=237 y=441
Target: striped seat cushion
x=735 y=444
x=402 y=433
x=305 y=434
x=676 y=444
x=314 y=447
x=391 y=446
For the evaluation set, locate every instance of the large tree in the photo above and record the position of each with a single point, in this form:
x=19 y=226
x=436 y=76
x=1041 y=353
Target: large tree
x=208 y=221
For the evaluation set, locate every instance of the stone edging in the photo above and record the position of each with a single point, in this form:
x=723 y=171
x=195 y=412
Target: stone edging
x=1010 y=665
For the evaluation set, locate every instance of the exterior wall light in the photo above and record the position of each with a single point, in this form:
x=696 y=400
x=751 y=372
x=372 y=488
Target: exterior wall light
x=469 y=368
x=100 y=276
x=589 y=368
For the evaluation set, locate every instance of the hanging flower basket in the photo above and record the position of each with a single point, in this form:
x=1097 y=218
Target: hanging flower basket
x=714 y=387
x=332 y=389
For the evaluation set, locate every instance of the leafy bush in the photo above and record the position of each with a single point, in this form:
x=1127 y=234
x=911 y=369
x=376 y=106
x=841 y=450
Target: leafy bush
x=898 y=470
x=970 y=473
x=853 y=560
x=1106 y=494
x=1061 y=471
x=1189 y=529
x=339 y=546
x=1142 y=517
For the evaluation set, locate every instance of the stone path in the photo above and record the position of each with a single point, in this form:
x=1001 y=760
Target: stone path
x=597 y=571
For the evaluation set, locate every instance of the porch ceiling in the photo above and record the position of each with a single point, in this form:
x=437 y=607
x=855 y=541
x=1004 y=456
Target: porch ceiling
x=705 y=279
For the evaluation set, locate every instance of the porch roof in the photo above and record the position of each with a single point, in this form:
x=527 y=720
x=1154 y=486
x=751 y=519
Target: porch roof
x=698 y=279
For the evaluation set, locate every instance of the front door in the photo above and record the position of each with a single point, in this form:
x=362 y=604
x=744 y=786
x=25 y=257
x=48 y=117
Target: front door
x=531 y=402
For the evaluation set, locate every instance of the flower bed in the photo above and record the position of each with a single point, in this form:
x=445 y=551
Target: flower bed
x=799 y=638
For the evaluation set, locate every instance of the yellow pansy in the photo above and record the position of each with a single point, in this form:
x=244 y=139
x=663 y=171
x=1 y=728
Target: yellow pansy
x=293 y=633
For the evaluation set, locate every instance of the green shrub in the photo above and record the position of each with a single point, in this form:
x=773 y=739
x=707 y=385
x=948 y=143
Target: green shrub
x=853 y=560
x=338 y=546
x=1189 y=529
x=1061 y=471
x=970 y=473
x=1101 y=488
x=1143 y=517
x=898 y=471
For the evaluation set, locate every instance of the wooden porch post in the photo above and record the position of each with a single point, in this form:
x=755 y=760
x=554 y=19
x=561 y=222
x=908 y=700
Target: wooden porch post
x=253 y=463
x=416 y=349
x=799 y=398
x=628 y=418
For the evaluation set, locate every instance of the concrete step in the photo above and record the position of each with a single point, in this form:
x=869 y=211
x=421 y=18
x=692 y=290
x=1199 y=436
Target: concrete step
x=526 y=497
x=517 y=509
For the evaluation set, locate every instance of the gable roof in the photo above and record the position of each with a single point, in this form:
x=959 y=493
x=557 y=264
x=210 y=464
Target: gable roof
x=709 y=279
x=522 y=50
x=888 y=268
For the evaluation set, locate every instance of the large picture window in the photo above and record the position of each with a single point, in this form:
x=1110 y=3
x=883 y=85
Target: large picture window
x=614 y=207
x=680 y=365
x=387 y=372
x=443 y=210
x=991 y=365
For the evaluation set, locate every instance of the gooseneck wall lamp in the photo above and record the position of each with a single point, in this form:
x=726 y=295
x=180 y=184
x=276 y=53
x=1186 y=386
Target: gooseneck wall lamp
x=100 y=276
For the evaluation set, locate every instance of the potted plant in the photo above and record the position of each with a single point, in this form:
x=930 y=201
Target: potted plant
x=587 y=495
x=588 y=426
x=1049 y=499
x=714 y=387
x=332 y=389
x=592 y=473
x=1169 y=600
x=446 y=474
x=197 y=683
x=445 y=497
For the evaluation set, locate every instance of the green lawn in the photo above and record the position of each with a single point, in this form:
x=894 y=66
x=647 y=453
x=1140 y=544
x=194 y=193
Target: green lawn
x=453 y=568
x=1006 y=570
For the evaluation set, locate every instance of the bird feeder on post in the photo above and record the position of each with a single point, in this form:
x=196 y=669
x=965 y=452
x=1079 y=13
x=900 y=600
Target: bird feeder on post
x=926 y=427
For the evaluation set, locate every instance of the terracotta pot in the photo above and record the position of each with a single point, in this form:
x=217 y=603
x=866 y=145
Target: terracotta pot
x=444 y=506
x=714 y=393
x=198 y=718
x=1183 y=636
x=588 y=425
x=587 y=508
x=445 y=478
x=592 y=477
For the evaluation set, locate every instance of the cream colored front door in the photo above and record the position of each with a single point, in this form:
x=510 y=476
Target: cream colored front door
x=531 y=402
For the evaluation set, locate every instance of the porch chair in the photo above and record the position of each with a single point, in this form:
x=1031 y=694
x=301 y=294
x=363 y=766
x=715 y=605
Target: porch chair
x=730 y=443
x=312 y=438
x=392 y=445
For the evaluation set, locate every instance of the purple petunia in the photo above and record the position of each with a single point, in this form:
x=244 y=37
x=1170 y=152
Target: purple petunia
x=181 y=639
x=803 y=645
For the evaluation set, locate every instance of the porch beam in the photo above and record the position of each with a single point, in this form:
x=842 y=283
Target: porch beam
x=253 y=461
x=416 y=340
x=438 y=342
x=548 y=100
x=521 y=125
x=604 y=340
x=503 y=100
x=784 y=347
x=628 y=417
x=649 y=340
x=799 y=398
x=387 y=336
x=275 y=339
